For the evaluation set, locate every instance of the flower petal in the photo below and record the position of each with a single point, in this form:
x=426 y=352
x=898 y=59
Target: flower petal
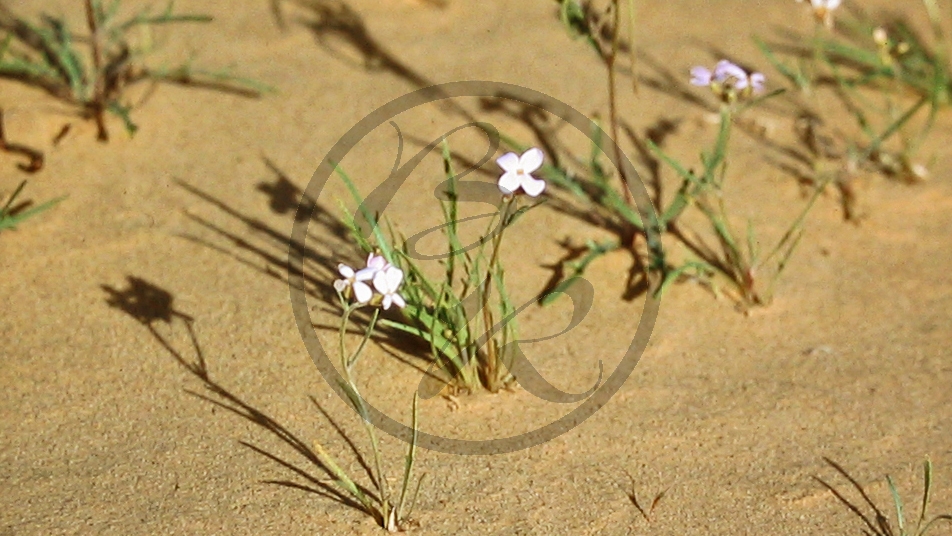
x=700 y=76
x=394 y=278
x=399 y=301
x=508 y=162
x=387 y=300
x=509 y=182
x=726 y=69
x=531 y=160
x=757 y=81
x=345 y=271
x=365 y=274
x=362 y=292
x=532 y=186
x=380 y=283
x=376 y=262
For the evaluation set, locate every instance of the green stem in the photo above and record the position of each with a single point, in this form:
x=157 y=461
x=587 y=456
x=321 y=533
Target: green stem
x=348 y=364
x=491 y=358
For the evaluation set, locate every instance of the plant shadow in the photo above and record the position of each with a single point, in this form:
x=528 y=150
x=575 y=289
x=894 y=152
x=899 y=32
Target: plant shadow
x=34 y=157
x=876 y=522
x=341 y=31
x=265 y=249
x=149 y=305
x=546 y=136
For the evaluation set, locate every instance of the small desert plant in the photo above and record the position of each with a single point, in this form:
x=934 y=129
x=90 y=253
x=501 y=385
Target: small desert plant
x=924 y=523
x=605 y=198
x=610 y=204
x=736 y=256
x=466 y=316
x=872 y=68
x=12 y=214
x=93 y=71
x=878 y=524
x=605 y=204
x=391 y=511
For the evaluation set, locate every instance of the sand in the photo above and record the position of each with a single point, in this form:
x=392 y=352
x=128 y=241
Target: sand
x=162 y=415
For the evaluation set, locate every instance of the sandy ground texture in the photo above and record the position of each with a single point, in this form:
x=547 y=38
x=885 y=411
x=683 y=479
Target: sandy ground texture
x=153 y=379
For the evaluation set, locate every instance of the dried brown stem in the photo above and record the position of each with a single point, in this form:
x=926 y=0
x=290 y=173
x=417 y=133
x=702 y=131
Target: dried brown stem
x=97 y=105
x=613 y=99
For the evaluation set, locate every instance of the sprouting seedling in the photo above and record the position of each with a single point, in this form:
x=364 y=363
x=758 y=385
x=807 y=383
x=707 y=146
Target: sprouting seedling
x=645 y=511
x=12 y=214
x=923 y=523
x=877 y=523
x=50 y=56
x=391 y=511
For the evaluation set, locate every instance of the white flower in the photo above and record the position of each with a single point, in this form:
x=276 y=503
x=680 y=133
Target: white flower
x=728 y=81
x=518 y=172
x=825 y=4
x=823 y=9
x=375 y=263
x=354 y=281
x=727 y=76
x=387 y=282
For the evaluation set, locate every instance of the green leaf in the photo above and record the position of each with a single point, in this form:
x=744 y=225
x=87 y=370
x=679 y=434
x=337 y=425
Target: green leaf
x=10 y=221
x=701 y=269
x=578 y=267
x=123 y=113
x=897 y=501
x=382 y=243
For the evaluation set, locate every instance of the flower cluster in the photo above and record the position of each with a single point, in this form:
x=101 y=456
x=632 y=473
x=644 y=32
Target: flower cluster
x=823 y=9
x=518 y=172
x=384 y=277
x=728 y=80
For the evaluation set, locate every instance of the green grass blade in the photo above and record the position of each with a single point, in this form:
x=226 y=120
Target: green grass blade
x=411 y=455
x=122 y=112
x=577 y=268
x=897 y=502
x=700 y=268
x=926 y=492
x=371 y=219
x=8 y=221
x=167 y=17
x=795 y=77
x=343 y=480
x=893 y=128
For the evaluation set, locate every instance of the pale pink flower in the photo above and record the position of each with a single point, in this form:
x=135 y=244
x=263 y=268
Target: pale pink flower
x=354 y=283
x=518 y=172
x=823 y=9
x=728 y=80
x=387 y=282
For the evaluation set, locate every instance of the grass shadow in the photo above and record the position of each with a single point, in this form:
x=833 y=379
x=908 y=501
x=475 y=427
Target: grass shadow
x=261 y=242
x=34 y=157
x=148 y=305
x=341 y=31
